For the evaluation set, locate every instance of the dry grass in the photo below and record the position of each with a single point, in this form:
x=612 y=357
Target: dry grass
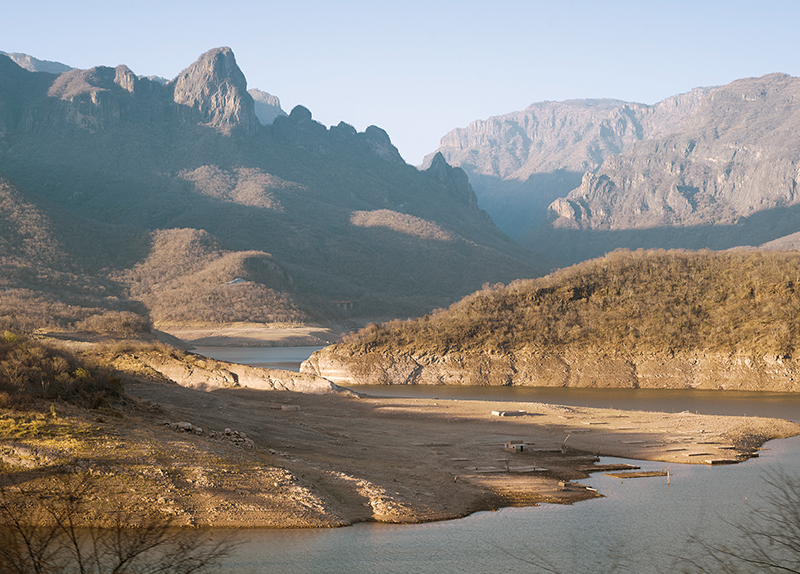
x=643 y=300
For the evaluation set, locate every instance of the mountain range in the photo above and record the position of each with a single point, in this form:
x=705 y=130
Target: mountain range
x=197 y=199
x=174 y=199
x=716 y=168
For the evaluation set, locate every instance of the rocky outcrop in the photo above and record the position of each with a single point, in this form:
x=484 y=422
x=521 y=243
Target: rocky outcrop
x=685 y=370
x=267 y=106
x=520 y=162
x=216 y=89
x=100 y=97
x=575 y=135
x=738 y=154
x=454 y=178
x=207 y=375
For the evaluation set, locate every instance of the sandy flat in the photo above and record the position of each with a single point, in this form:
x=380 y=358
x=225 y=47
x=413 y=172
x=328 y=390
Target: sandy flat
x=412 y=460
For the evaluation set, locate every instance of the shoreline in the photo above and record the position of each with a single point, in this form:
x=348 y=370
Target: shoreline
x=239 y=335
x=419 y=460
x=280 y=459
x=227 y=456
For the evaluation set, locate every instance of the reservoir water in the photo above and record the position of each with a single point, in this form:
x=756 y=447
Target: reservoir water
x=640 y=525
x=287 y=358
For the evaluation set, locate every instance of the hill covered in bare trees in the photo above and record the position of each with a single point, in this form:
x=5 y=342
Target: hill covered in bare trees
x=645 y=318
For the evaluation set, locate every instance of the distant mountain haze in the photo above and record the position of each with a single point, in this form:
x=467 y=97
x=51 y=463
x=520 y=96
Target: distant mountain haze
x=167 y=193
x=36 y=65
x=267 y=106
x=520 y=162
x=738 y=153
x=715 y=168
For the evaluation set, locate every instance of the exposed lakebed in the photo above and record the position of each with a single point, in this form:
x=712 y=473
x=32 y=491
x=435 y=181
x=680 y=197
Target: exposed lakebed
x=640 y=525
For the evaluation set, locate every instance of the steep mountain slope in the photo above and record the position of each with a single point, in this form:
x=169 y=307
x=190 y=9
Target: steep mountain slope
x=46 y=262
x=521 y=161
x=728 y=177
x=738 y=154
x=321 y=223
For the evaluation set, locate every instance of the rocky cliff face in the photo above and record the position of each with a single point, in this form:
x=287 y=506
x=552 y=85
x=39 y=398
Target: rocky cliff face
x=715 y=371
x=520 y=162
x=573 y=135
x=216 y=89
x=205 y=374
x=98 y=98
x=736 y=155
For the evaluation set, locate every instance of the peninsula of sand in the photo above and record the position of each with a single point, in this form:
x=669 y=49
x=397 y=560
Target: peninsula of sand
x=221 y=445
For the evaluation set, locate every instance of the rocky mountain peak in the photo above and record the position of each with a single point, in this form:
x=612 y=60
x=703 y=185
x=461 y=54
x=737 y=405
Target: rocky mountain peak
x=216 y=88
x=125 y=79
x=267 y=106
x=454 y=177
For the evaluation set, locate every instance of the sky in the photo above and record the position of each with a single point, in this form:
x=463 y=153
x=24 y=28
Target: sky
x=419 y=69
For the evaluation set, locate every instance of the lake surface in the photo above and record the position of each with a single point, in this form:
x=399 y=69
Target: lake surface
x=737 y=403
x=287 y=358
x=641 y=525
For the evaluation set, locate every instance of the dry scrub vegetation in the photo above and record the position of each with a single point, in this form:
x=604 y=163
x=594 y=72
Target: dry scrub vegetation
x=187 y=277
x=31 y=371
x=28 y=310
x=68 y=492
x=627 y=301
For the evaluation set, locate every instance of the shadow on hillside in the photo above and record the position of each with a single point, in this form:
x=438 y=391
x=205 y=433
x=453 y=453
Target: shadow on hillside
x=571 y=246
x=518 y=206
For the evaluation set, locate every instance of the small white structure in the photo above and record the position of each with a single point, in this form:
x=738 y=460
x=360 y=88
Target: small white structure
x=509 y=413
x=514 y=446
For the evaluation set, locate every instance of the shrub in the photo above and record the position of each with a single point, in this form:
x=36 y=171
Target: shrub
x=643 y=301
x=31 y=370
x=116 y=322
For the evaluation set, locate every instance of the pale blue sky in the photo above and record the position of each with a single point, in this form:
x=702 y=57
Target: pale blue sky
x=421 y=68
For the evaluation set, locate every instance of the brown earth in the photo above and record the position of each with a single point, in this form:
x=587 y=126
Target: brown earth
x=258 y=458
x=409 y=460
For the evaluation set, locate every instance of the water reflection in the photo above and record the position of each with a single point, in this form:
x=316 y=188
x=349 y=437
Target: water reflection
x=735 y=403
x=641 y=525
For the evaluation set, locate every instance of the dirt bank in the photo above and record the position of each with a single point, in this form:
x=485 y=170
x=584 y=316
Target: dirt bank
x=407 y=460
x=560 y=368
x=243 y=457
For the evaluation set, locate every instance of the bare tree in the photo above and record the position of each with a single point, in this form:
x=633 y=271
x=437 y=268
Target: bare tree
x=50 y=531
x=769 y=537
